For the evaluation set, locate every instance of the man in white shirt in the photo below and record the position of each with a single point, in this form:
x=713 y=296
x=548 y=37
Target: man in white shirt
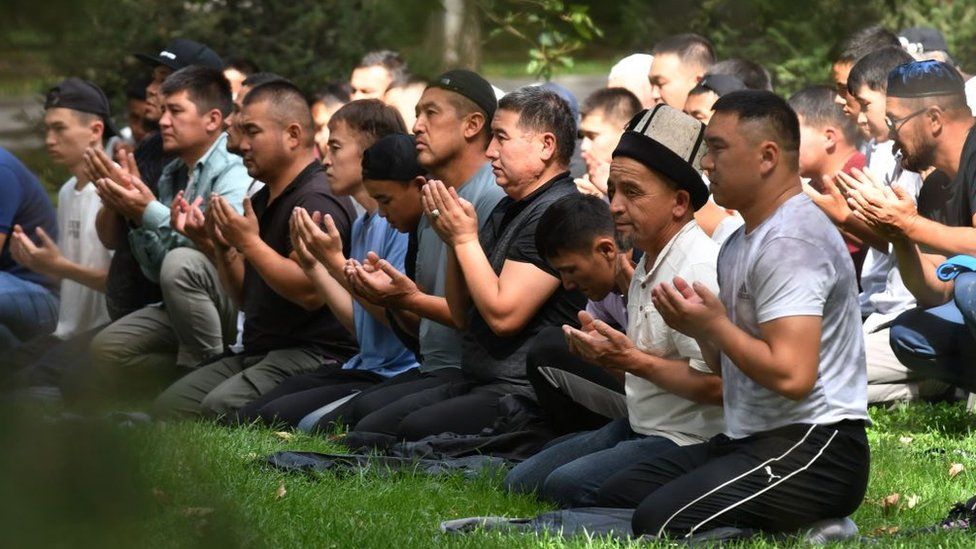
x=672 y=395
x=76 y=117
x=785 y=333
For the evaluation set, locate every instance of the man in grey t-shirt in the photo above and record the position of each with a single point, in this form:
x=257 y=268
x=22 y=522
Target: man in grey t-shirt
x=784 y=333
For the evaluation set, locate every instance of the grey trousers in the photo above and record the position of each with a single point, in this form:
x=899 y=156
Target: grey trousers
x=223 y=386
x=195 y=323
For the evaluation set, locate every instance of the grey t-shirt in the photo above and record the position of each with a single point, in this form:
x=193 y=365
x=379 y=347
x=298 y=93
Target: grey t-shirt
x=439 y=344
x=794 y=264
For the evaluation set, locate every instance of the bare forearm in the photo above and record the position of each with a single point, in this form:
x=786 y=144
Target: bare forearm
x=945 y=240
x=108 y=227
x=676 y=376
x=860 y=230
x=283 y=275
x=776 y=368
x=918 y=273
x=431 y=307
x=407 y=321
x=230 y=270
x=456 y=292
x=92 y=278
x=335 y=296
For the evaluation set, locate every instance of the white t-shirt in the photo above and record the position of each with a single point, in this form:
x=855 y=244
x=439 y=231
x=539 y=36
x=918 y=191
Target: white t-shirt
x=691 y=254
x=794 y=264
x=882 y=289
x=971 y=94
x=81 y=308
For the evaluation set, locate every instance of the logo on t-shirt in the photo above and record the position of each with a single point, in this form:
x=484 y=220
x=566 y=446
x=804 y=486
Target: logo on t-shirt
x=74 y=228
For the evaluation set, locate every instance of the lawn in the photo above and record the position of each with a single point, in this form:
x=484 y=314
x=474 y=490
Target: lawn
x=78 y=483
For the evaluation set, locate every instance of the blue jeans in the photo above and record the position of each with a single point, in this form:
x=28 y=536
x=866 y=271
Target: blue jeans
x=572 y=469
x=27 y=310
x=940 y=343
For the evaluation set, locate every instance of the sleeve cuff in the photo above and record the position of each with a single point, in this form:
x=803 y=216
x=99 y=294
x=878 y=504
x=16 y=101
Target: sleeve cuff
x=155 y=216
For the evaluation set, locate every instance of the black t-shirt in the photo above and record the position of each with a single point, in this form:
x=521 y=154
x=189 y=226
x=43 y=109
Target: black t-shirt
x=562 y=306
x=961 y=195
x=126 y=288
x=271 y=321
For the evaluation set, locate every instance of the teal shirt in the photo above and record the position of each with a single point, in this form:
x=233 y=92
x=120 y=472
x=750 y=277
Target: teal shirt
x=217 y=171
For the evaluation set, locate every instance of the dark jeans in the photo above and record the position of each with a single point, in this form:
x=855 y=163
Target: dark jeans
x=27 y=310
x=778 y=480
x=570 y=470
x=575 y=395
x=940 y=342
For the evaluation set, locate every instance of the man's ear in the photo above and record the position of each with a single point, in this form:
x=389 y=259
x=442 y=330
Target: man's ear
x=606 y=247
x=295 y=135
x=769 y=157
x=936 y=118
x=473 y=124
x=830 y=137
x=682 y=203
x=548 y=146
x=215 y=120
x=97 y=128
x=418 y=182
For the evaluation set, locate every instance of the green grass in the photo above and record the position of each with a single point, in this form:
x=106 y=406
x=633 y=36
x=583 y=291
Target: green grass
x=199 y=484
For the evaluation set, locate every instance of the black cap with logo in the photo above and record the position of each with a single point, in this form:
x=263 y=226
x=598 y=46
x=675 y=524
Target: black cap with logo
x=182 y=53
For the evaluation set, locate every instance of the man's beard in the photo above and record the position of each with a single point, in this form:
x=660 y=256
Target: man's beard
x=625 y=243
x=920 y=160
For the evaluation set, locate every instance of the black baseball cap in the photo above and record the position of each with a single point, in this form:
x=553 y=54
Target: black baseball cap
x=721 y=84
x=83 y=96
x=471 y=85
x=182 y=53
x=392 y=158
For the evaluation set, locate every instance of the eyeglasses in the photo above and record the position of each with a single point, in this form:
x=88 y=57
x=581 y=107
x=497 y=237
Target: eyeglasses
x=896 y=124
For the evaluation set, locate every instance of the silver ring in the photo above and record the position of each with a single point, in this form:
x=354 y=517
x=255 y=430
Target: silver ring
x=435 y=213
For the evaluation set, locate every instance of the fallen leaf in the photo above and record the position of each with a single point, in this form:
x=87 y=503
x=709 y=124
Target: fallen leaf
x=906 y=440
x=284 y=435
x=885 y=531
x=955 y=469
x=911 y=501
x=889 y=501
x=281 y=491
x=197 y=511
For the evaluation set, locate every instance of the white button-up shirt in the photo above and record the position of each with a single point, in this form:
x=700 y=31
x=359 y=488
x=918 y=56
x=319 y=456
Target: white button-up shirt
x=691 y=255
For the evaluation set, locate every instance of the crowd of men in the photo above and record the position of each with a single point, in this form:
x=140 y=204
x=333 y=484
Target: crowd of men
x=699 y=284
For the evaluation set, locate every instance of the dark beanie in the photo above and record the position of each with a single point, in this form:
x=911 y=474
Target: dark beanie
x=925 y=79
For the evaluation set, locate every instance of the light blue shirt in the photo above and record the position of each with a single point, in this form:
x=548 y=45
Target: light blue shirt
x=217 y=171
x=380 y=350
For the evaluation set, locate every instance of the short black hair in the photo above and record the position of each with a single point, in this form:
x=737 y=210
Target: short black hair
x=571 y=223
x=778 y=122
x=872 y=69
x=865 y=41
x=543 y=110
x=690 y=48
x=389 y=60
x=242 y=65
x=370 y=119
x=260 y=78
x=206 y=87
x=618 y=104
x=752 y=74
x=818 y=107
x=288 y=105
